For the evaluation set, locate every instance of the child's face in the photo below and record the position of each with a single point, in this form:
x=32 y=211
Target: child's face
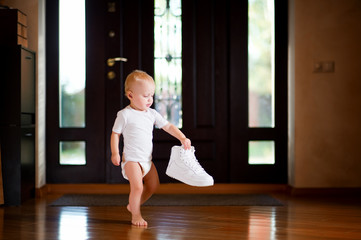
x=141 y=95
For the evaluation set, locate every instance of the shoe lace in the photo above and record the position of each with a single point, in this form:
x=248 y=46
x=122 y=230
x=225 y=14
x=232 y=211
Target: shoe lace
x=191 y=161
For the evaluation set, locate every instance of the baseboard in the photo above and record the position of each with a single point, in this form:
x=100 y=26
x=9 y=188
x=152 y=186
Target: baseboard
x=171 y=188
x=179 y=188
x=323 y=191
x=41 y=192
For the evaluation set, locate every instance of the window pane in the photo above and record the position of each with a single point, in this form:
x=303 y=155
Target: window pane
x=168 y=59
x=72 y=63
x=261 y=63
x=261 y=152
x=72 y=153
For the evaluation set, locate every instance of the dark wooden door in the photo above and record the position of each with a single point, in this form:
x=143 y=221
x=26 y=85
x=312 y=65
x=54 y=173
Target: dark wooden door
x=215 y=85
x=205 y=86
x=205 y=78
x=128 y=33
x=214 y=89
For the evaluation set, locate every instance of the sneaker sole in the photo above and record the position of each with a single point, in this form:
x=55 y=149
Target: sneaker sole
x=194 y=184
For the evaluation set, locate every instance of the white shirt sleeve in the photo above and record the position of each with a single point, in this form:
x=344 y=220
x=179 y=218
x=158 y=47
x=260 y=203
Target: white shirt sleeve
x=159 y=120
x=119 y=123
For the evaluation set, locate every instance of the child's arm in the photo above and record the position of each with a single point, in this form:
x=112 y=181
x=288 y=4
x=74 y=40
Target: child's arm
x=114 y=146
x=175 y=132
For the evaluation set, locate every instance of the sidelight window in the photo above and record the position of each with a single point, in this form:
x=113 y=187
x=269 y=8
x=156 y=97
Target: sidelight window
x=261 y=152
x=72 y=78
x=72 y=153
x=261 y=63
x=72 y=63
x=261 y=78
x=168 y=59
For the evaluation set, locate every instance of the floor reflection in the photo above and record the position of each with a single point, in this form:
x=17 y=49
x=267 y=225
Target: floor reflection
x=136 y=233
x=262 y=224
x=73 y=223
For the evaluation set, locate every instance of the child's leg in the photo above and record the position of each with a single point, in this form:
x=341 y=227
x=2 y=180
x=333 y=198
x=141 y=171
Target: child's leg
x=151 y=183
x=135 y=177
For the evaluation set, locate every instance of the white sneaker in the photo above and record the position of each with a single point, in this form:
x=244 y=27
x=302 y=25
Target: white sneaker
x=184 y=167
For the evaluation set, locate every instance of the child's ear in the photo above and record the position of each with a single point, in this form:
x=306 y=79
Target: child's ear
x=129 y=95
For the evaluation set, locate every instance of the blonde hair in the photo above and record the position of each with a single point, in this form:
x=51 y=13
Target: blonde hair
x=136 y=76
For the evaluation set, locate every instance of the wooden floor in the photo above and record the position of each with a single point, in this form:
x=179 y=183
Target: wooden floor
x=301 y=218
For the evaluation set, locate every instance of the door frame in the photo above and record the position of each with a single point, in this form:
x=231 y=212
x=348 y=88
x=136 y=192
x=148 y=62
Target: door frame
x=93 y=133
x=241 y=134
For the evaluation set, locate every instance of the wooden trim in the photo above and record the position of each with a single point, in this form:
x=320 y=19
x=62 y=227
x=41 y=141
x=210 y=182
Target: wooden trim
x=41 y=192
x=324 y=191
x=1 y=183
x=179 y=188
x=171 y=188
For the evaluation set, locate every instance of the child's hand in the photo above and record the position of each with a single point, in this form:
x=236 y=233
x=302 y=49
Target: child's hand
x=115 y=159
x=186 y=142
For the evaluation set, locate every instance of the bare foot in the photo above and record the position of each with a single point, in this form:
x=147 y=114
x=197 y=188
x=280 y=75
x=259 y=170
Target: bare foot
x=137 y=219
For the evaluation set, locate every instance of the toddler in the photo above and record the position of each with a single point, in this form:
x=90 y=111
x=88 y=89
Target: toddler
x=135 y=122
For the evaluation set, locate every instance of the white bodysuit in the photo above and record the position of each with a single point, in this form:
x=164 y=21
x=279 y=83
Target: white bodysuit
x=137 y=130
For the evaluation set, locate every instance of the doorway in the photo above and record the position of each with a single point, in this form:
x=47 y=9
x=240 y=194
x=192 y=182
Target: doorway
x=215 y=90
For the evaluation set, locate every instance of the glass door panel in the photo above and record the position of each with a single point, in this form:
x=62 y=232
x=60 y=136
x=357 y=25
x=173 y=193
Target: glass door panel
x=261 y=63
x=72 y=153
x=261 y=152
x=168 y=59
x=72 y=67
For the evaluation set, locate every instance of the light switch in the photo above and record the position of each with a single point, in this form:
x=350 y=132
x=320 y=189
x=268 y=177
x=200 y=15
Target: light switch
x=324 y=66
x=317 y=67
x=328 y=66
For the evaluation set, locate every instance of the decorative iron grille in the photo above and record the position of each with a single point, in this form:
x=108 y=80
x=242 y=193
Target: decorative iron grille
x=168 y=59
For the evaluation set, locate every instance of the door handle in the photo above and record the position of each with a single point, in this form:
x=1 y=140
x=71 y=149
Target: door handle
x=111 y=61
